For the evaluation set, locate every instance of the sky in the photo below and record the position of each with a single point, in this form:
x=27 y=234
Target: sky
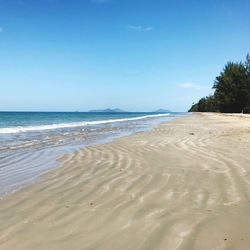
x=137 y=55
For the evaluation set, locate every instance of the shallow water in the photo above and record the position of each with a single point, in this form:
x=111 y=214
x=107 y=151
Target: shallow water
x=31 y=141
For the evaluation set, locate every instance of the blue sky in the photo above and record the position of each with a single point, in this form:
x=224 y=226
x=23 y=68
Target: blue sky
x=137 y=55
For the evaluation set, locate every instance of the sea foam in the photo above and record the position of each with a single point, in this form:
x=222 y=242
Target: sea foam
x=20 y=129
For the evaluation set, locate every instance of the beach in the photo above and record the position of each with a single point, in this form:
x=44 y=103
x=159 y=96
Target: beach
x=183 y=185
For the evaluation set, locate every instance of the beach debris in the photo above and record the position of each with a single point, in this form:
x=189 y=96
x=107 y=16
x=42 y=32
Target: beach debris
x=80 y=190
x=191 y=133
x=66 y=206
x=91 y=203
x=225 y=239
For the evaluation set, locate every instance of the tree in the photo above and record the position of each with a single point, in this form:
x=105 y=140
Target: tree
x=194 y=108
x=205 y=104
x=247 y=65
x=211 y=105
x=232 y=88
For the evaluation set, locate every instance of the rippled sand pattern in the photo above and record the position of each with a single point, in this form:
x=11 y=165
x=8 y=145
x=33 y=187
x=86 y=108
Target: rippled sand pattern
x=183 y=185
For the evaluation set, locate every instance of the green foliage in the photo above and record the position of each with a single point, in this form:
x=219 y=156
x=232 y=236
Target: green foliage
x=246 y=110
x=232 y=90
x=247 y=64
x=205 y=104
x=194 y=108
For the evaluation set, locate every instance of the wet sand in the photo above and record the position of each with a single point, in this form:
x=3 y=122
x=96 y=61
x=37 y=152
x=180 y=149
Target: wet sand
x=183 y=185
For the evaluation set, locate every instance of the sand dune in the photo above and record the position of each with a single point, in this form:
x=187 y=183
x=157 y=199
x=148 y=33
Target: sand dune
x=183 y=185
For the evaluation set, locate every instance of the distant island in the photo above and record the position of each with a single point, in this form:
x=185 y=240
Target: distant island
x=162 y=111
x=107 y=111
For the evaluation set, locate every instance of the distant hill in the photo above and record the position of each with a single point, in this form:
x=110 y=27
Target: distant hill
x=162 y=111
x=107 y=111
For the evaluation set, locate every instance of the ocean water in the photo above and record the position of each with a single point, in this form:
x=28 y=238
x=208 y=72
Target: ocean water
x=31 y=141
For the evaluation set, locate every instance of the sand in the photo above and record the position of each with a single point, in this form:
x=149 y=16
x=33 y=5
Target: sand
x=183 y=185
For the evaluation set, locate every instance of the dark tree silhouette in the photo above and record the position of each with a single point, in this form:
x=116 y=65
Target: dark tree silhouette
x=232 y=90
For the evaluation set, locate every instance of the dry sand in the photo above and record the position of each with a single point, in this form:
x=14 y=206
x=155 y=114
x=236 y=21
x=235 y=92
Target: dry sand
x=183 y=185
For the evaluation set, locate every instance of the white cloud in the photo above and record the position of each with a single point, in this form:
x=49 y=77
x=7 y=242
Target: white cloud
x=189 y=85
x=1 y=29
x=139 y=28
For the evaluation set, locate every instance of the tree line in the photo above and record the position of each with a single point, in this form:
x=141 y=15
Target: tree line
x=232 y=90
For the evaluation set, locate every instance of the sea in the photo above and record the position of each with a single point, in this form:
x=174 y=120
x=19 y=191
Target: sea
x=30 y=142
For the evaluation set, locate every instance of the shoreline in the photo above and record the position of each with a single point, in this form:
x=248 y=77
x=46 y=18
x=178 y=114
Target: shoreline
x=169 y=187
x=56 y=162
x=27 y=164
